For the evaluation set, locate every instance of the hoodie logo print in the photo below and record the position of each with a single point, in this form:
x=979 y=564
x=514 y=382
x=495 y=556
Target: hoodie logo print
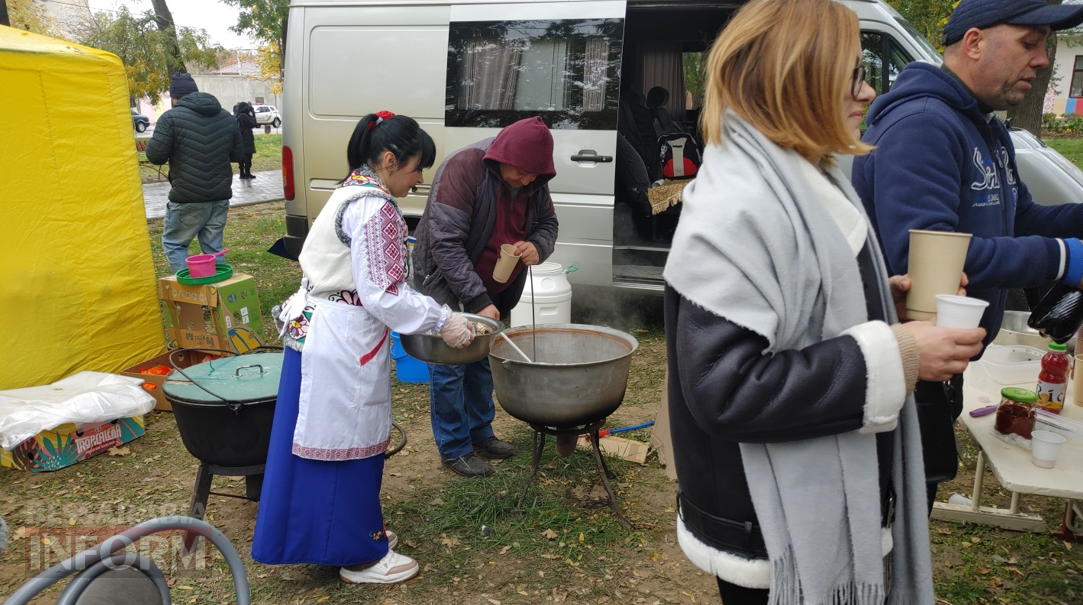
x=987 y=173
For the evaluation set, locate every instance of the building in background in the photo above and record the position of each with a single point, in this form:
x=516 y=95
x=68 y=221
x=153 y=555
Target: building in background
x=238 y=79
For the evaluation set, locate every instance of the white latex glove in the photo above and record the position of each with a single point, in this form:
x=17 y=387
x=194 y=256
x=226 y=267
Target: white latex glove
x=457 y=332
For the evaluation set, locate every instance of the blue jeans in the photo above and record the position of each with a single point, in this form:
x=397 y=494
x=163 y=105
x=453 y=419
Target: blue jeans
x=183 y=222
x=462 y=407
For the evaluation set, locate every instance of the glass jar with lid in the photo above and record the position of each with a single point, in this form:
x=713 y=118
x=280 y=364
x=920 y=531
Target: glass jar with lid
x=1015 y=414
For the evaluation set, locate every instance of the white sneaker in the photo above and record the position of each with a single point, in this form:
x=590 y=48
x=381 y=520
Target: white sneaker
x=392 y=539
x=391 y=569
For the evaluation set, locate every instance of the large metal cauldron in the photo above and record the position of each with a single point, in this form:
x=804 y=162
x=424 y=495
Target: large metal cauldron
x=224 y=407
x=578 y=375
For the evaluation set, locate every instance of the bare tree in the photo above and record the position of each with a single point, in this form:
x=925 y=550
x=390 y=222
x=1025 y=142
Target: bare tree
x=164 y=19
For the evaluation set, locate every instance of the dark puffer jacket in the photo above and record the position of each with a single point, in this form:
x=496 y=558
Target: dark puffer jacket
x=199 y=139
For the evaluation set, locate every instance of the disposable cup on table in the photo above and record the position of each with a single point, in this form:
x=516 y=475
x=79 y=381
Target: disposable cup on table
x=1044 y=448
x=509 y=256
x=936 y=263
x=1077 y=381
x=954 y=311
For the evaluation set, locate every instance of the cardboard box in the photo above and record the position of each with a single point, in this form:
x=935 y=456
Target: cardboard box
x=223 y=315
x=182 y=359
x=68 y=444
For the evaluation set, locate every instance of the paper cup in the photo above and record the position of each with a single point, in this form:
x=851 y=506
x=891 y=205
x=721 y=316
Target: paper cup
x=1044 y=447
x=935 y=267
x=509 y=255
x=954 y=311
x=1077 y=381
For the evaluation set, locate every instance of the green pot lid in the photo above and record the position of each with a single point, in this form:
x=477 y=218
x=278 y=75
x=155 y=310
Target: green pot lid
x=239 y=379
x=1019 y=394
x=222 y=272
x=1056 y=347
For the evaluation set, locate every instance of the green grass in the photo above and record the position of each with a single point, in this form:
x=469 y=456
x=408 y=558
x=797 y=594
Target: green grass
x=268 y=156
x=1069 y=148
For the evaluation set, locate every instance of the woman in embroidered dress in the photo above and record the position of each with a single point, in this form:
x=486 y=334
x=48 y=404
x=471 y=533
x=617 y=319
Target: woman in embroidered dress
x=794 y=429
x=320 y=502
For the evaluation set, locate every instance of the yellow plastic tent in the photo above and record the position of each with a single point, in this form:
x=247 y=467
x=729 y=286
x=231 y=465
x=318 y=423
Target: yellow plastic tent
x=77 y=289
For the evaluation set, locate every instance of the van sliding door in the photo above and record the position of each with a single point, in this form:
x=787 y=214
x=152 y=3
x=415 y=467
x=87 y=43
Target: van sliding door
x=559 y=61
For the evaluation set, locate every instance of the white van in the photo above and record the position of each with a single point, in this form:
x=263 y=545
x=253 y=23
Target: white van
x=466 y=68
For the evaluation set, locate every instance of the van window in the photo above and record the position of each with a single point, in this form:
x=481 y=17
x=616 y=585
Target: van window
x=883 y=60
x=566 y=71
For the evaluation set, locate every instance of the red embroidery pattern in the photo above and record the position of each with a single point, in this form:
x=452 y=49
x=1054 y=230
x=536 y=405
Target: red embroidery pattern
x=338 y=454
x=385 y=238
x=367 y=357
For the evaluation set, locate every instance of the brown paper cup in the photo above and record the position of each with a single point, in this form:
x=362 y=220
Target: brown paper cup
x=936 y=266
x=1077 y=381
x=506 y=263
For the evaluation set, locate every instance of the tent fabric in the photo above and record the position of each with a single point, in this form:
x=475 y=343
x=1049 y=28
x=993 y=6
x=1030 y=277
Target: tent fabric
x=77 y=286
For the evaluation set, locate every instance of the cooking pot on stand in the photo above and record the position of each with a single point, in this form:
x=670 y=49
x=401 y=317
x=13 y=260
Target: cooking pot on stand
x=578 y=375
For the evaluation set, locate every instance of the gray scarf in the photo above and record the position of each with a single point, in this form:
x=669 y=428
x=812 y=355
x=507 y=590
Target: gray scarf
x=782 y=268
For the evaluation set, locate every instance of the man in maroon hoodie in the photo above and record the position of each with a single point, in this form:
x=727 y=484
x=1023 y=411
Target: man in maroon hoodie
x=491 y=193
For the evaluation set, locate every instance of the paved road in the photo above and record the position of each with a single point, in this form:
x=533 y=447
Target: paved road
x=266 y=187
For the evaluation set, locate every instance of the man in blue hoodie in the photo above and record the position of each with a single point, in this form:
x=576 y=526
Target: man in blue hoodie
x=945 y=162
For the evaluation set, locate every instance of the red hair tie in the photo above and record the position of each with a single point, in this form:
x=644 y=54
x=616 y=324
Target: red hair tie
x=380 y=117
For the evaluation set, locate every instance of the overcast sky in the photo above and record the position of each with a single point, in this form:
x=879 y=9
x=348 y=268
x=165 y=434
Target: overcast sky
x=211 y=15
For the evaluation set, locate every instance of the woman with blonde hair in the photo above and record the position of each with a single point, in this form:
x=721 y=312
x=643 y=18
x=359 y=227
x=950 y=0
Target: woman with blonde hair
x=794 y=429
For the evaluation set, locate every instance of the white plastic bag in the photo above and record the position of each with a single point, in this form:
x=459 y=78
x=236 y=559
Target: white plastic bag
x=80 y=398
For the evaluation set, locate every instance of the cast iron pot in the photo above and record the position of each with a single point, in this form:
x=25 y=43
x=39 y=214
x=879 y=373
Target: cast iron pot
x=224 y=407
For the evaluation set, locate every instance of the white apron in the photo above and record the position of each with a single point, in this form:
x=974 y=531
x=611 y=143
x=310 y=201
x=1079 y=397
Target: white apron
x=345 y=403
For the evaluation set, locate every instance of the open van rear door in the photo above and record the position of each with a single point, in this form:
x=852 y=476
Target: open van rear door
x=559 y=61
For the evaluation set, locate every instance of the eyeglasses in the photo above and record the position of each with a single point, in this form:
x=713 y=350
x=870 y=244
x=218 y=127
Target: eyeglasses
x=858 y=81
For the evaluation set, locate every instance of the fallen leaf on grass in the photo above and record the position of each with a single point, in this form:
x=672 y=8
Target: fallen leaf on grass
x=541 y=574
x=19 y=534
x=322 y=599
x=984 y=571
x=451 y=542
x=505 y=549
x=394 y=474
x=119 y=451
x=494 y=601
x=1068 y=545
x=997 y=582
x=552 y=535
x=947 y=564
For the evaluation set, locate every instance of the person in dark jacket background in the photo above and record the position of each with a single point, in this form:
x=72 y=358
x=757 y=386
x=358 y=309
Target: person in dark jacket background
x=491 y=193
x=246 y=121
x=200 y=140
x=945 y=162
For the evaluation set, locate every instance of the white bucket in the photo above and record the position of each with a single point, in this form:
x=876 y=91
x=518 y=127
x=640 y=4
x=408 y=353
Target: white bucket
x=552 y=296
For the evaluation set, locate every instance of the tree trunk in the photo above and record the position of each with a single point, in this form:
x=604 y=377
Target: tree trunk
x=1028 y=114
x=164 y=18
x=4 y=13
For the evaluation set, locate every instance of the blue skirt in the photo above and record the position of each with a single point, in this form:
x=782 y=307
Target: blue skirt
x=314 y=511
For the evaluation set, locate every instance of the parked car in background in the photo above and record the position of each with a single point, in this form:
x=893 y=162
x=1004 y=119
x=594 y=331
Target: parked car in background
x=139 y=121
x=267 y=114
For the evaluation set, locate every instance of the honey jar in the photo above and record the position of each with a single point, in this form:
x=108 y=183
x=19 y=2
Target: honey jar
x=1015 y=414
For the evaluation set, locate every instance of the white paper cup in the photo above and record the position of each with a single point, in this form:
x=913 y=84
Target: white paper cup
x=954 y=311
x=1044 y=447
x=509 y=256
x=935 y=266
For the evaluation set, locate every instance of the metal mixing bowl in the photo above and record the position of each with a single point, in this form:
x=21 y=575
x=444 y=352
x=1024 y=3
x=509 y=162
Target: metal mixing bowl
x=430 y=348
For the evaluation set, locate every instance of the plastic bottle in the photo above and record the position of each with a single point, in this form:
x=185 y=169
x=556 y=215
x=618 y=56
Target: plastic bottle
x=1053 y=378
